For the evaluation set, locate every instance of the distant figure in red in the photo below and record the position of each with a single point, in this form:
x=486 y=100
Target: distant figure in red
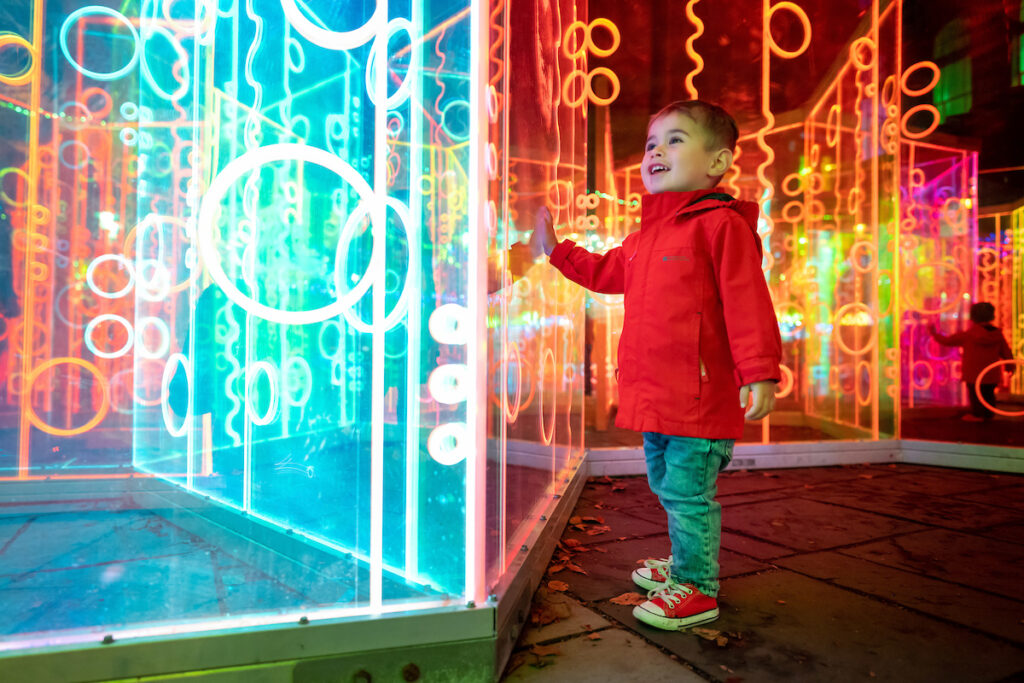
x=983 y=344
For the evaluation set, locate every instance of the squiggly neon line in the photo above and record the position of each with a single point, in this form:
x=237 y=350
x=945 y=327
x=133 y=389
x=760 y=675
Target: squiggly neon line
x=768 y=190
x=437 y=79
x=698 y=31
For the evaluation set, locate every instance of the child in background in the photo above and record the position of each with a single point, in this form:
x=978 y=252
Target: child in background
x=700 y=342
x=983 y=344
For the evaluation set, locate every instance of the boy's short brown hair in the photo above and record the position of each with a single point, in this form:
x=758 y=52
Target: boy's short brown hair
x=719 y=126
x=982 y=312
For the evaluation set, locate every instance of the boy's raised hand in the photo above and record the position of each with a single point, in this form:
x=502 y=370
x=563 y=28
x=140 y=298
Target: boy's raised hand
x=543 y=237
x=761 y=396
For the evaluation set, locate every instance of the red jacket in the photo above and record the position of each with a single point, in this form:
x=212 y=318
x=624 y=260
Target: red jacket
x=699 y=321
x=983 y=345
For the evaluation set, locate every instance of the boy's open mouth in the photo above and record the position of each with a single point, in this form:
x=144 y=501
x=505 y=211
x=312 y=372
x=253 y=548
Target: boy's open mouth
x=657 y=168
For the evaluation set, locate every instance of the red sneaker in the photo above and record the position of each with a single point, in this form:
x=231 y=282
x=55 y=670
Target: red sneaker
x=654 y=575
x=677 y=606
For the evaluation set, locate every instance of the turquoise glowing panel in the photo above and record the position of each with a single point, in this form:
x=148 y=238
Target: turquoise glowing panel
x=249 y=283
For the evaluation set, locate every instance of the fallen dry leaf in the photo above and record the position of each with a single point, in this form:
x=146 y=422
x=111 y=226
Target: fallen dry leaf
x=575 y=568
x=558 y=586
x=599 y=520
x=618 y=487
x=571 y=542
x=600 y=550
x=629 y=599
x=575 y=520
x=555 y=568
x=781 y=602
x=545 y=650
x=594 y=636
x=598 y=530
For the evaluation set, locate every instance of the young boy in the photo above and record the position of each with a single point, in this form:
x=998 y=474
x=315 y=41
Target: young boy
x=983 y=344
x=700 y=342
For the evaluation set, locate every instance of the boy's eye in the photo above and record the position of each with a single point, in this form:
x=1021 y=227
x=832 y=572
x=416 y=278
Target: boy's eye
x=650 y=146
x=676 y=139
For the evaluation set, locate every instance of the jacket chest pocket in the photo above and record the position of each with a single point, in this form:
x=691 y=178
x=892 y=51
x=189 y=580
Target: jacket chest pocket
x=677 y=274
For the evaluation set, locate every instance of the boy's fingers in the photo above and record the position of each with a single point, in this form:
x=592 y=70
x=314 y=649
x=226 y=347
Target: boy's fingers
x=744 y=395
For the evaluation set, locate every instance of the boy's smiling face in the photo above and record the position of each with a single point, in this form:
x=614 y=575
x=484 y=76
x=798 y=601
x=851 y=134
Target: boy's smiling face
x=677 y=157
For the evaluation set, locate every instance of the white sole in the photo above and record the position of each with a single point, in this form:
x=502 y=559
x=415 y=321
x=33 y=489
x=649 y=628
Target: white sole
x=673 y=624
x=647 y=584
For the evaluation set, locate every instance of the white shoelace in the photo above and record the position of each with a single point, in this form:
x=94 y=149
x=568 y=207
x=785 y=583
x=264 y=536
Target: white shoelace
x=673 y=594
x=664 y=564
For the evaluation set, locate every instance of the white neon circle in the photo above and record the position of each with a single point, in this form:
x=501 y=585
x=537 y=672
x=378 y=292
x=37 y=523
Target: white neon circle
x=182 y=57
x=287 y=374
x=159 y=287
x=165 y=337
x=448 y=384
x=90 y=273
x=210 y=205
x=271 y=374
x=332 y=40
x=448 y=323
x=95 y=322
x=165 y=387
x=379 y=53
x=398 y=312
x=447 y=443
x=106 y=11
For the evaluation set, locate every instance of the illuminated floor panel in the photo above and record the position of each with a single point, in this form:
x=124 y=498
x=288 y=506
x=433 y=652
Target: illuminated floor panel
x=89 y=569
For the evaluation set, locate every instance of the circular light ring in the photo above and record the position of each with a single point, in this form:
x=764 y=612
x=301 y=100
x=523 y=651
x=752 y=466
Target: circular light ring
x=512 y=414
x=338 y=352
x=855 y=49
x=787 y=185
x=95 y=322
x=919 y=91
x=271 y=372
x=210 y=206
x=165 y=388
x=545 y=434
x=449 y=324
x=90 y=276
x=916 y=135
x=855 y=254
x=449 y=383
x=298 y=64
x=25 y=77
x=858 y=372
x=804 y=22
x=105 y=11
x=186 y=75
x=287 y=372
x=378 y=53
x=58 y=431
x=952 y=302
x=926 y=385
x=832 y=130
x=161 y=281
x=401 y=306
x=129 y=137
x=977 y=386
x=838 y=324
x=3 y=194
x=789 y=215
x=108 y=102
x=787 y=382
x=332 y=40
x=77 y=144
x=165 y=337
x=444 y=120
x=448 y=444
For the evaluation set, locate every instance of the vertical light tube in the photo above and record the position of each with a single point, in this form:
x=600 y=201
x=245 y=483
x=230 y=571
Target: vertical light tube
x=413 y=322
x=897 y=257
x=476 y=351
x=379 y=232
x=876 y=369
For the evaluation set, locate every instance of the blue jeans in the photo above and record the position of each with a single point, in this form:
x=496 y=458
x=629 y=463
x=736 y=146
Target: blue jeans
x=683 y=472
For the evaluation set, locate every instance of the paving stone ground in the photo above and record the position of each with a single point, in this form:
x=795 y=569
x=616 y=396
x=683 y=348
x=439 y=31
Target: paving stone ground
x=897 y=573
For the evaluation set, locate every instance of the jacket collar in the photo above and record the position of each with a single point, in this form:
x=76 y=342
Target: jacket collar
x=678 y=204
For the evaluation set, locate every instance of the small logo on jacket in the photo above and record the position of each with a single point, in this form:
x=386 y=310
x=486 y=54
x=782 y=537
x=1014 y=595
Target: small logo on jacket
x=675 y=257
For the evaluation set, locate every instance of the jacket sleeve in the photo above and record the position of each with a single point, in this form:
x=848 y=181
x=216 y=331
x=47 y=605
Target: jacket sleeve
x=955 y=339
x=746 y=303
x=1004 y=349
x=604 y=273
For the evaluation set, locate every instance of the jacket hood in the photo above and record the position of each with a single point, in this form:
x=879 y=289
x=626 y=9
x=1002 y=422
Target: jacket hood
x=682 y=203
x=986 y=334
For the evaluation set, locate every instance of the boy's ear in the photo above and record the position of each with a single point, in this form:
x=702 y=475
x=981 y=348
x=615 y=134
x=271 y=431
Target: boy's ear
x=720 y=162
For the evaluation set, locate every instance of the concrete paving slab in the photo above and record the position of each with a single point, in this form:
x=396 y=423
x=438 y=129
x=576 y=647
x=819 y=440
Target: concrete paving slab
x=983 y=563
x=619 y=522
x=916 y=506
x=823 y=633
x=608 y=573
x=580 y=621
x=810 y=525
x=982 y=611
x=937 y=482
x=761 y=550
x=1010 y=496
x=620 y=492
x=1005 y=532
x=617 y=655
